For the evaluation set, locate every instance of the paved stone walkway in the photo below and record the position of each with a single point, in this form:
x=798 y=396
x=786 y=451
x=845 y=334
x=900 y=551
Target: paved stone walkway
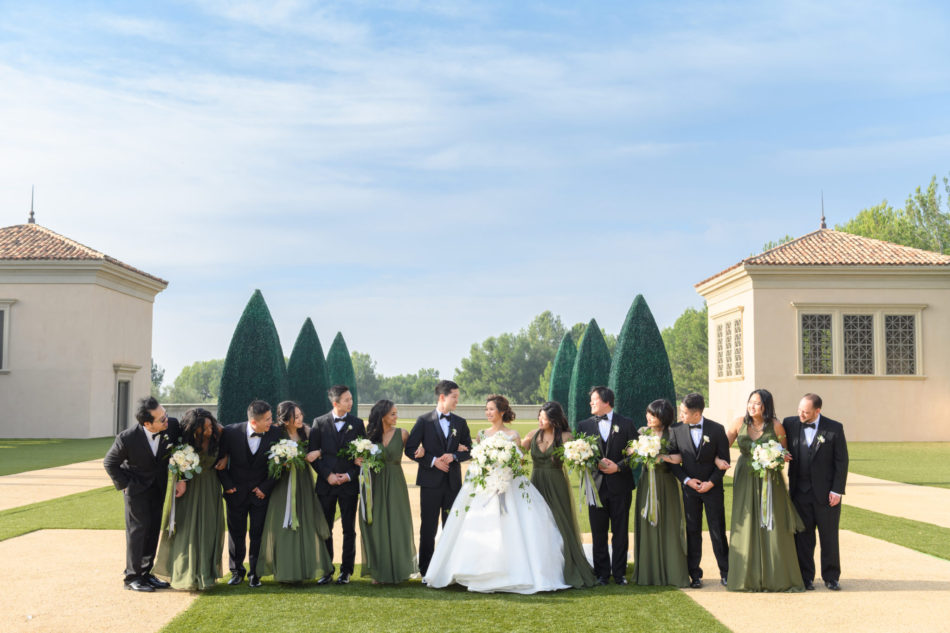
x=42 y=485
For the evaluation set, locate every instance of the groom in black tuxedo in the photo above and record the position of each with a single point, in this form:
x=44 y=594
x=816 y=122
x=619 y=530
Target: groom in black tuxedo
x=446 y=441
x=614 y=485
x=338 y=478
x=700 y=441
x=247 y=486
x=138 y=466
x=816 y=478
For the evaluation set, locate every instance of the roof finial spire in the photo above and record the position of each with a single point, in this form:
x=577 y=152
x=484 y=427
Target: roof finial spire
x=32 y=219
x=823 y=225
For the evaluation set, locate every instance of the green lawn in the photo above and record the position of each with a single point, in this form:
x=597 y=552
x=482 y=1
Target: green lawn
x=921 y=463
x=100 y=509
x=17 y=456
x=410 y=607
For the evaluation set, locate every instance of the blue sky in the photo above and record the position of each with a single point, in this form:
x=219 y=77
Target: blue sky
x=421 y=175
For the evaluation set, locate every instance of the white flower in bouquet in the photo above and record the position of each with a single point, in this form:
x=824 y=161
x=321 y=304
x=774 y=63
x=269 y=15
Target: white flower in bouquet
x=768 y=456
x=184 y=462
x=284 y=455
x=496 y=463
x=647 y=448
x=365 y=449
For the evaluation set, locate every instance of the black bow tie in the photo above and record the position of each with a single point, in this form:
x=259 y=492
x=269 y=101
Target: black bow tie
x=808 y=425
x=695 y=426
x=154 y=435
x=601 y=418
x=257 y=435
x=335 y=420
x=443 y=416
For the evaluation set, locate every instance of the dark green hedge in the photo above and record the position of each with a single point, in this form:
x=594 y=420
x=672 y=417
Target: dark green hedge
x=340 y=367
x=591 y=368
x=561 y=371
x=254 y=367
x=307 y=373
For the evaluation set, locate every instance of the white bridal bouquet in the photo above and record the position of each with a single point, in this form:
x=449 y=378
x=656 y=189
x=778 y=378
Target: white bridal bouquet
x=290 y=456
x=372 y=456
x=496 y=462
x=582 y=454
x=648 y=450
x=767 y=457
x=184 y=462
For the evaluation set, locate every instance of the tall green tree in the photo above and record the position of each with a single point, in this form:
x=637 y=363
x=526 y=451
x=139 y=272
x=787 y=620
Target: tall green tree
x=199 y=382
x=640 y=369
x=368 y=382
x=254 y=367
x=591 y=368
x=307 y=373
x=687 y=346
x=340 y=368
x=158 y=375
x=562 y=368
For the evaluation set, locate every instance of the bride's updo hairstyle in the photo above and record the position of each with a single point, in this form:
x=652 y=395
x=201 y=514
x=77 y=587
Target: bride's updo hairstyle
x=501 y=403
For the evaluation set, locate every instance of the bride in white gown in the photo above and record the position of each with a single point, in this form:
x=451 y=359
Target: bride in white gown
x=491 y=544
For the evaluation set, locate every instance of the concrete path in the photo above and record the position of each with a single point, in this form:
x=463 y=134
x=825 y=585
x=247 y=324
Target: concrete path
x=42 y=485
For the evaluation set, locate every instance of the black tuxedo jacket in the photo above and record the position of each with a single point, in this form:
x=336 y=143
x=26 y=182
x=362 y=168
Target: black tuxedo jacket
x=829 y=457
x=130 y=462
x=700 y=464
x=324 y=437
x=622 y=430
x=245 y=471
x=428 y=432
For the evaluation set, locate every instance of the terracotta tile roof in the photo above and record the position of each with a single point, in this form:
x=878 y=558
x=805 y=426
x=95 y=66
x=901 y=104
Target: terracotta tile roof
x=35 y=242
x=827 y=247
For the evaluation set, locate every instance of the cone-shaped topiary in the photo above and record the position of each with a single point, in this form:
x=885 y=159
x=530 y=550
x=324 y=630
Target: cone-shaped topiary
x=591 y=368
x=640 y=370
x=254 y=367
x=561 y=371
x=307 y=373
x=340 y=367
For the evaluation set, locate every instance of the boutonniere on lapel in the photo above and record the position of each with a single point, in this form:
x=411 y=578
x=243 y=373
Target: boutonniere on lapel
x=705 y=439
x=346 y=427
x=615 y=429
x=455 y=432
x=821 y=440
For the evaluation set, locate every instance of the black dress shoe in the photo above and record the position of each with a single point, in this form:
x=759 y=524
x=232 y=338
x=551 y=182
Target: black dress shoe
x=343 y=579
x=696 y=583
x=724 y=581
x=809 y=585
x=833 y=585
x=601 y=581
x=253 y=581
x=139 y=584
x=236 y=579
x=326 y=580
x=620 y=580
x=155 y=582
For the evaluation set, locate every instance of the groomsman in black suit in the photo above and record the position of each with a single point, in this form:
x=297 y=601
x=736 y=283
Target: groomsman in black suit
x=816 y=478
x=247 y=486
x=700 y=441
x=338 y=478
x=138 y=466
x=614 y=484
x=446 y=440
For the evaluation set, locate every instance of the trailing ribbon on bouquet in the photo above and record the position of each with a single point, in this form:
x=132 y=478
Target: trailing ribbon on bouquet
x=366 y=493
x=587 y=491
x=171 y=512
x=290 y=507
x=502 y=506
x=651 y=509
x=767 y=518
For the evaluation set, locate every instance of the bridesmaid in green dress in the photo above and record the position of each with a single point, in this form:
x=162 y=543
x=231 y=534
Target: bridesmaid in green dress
x=548 y=476
x=659 y=551
x=294 y=555
x=190 y=557
x=761 y=559
x=389 y=550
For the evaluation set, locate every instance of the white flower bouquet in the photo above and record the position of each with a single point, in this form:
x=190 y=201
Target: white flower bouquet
x=285 y=455
x=496 y=463
x=184 y=462
x=648 y=450
x=582 y=454
x=768 y=457
x=368 y=451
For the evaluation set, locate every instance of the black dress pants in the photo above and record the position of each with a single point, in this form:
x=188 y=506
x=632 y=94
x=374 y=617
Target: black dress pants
x=613 y=517
x=433 y=503
x=143 y=523
x=348 y=504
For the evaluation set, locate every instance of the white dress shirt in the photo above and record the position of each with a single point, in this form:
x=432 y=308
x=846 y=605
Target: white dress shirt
x=604 y=425
x=253 y=443
x=153 y=441
x=811 y=433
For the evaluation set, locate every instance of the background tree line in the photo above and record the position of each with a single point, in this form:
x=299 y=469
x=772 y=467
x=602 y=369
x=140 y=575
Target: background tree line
x=519 y=364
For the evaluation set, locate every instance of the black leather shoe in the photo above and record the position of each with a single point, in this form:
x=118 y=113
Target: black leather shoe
x=696 y=583
x=601 y=581
x=253 y=581
x=326 y=580
x=155 y=582
x=139 y=584
x=620 y=580
x=809 y=585
x=833 y=585
x=343 y=579
x=236 y=579
x=724 y=581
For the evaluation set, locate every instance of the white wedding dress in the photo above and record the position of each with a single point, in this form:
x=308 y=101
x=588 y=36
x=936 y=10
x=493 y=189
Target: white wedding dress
x=508 y=545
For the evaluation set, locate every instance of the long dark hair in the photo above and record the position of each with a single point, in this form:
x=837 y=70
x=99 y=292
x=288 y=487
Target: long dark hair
x=374 y=428
x=662 y=410
x=286 y=412
x=555 y=414
x=768 y=407
x=191 y=425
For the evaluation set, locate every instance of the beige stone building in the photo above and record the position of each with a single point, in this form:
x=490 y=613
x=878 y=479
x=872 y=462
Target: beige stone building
x=863 y=323
x=75 y=336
